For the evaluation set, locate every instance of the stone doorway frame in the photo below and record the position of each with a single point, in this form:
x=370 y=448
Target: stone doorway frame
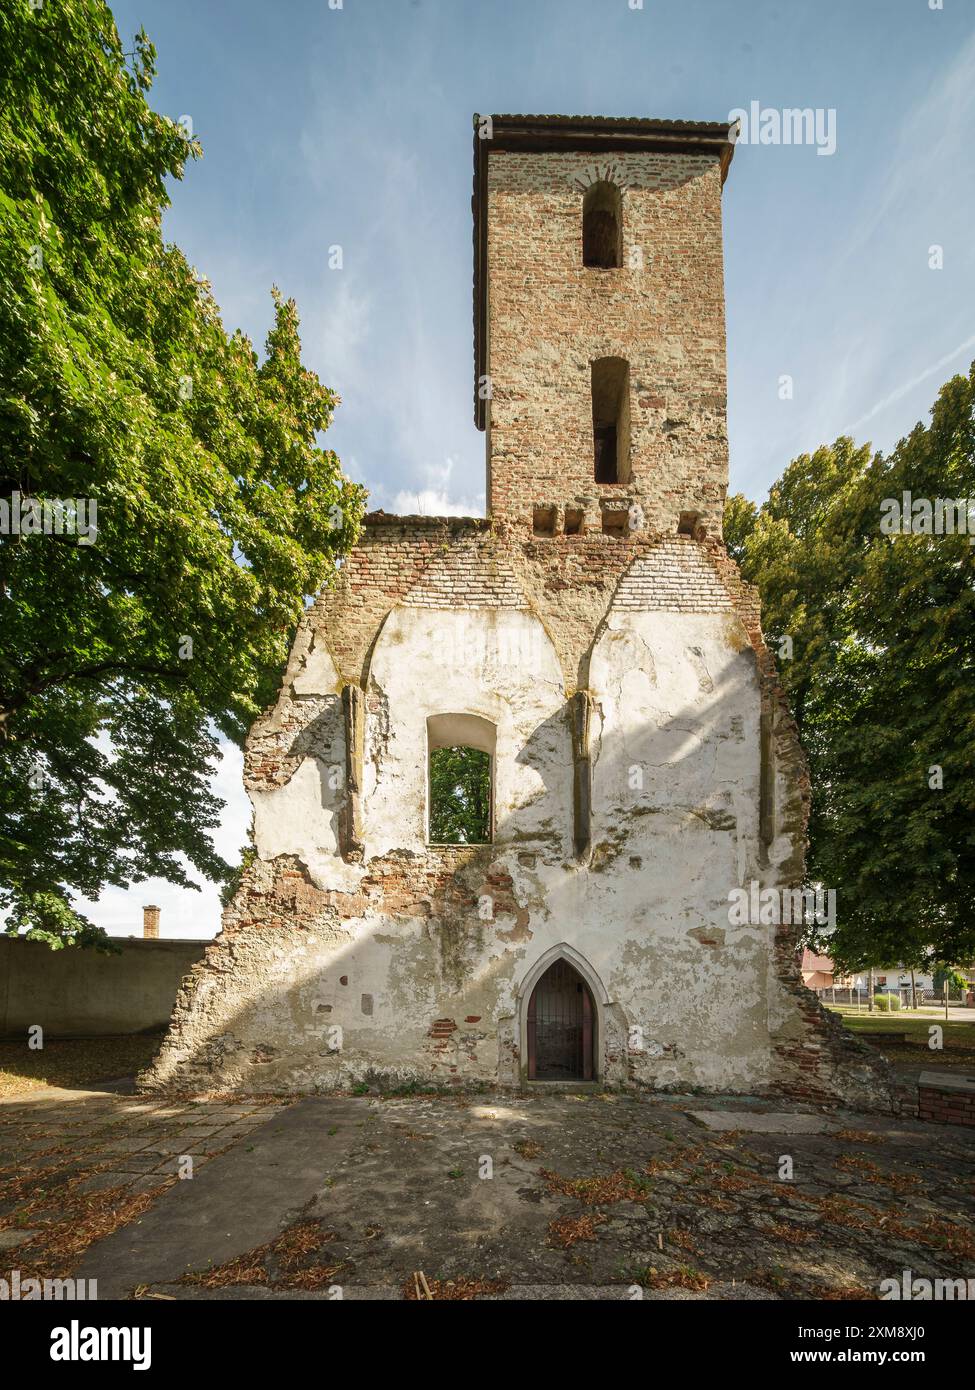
x=600 y=999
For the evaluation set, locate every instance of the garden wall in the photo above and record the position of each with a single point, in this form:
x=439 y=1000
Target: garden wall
x=75 y=993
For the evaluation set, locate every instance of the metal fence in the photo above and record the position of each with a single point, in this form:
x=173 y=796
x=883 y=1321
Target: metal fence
x=901 y=995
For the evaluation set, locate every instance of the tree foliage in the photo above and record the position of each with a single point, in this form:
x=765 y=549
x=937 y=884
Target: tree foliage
x=881 y=680
x=460 y=796
x=217 y=511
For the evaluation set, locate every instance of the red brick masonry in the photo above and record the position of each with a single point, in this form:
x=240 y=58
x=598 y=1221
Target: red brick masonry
x=946 y=1098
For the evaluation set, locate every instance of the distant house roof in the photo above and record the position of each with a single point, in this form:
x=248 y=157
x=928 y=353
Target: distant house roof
x=595 y=135
x=811 y=963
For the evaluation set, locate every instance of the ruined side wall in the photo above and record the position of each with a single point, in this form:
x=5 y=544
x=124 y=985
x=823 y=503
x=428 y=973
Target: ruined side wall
x=411 y=950
x=550 y=317
x=407 y=962
x=814 y=1057
x=295 y=762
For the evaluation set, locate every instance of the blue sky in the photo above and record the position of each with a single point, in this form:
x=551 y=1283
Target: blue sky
x=351 y=126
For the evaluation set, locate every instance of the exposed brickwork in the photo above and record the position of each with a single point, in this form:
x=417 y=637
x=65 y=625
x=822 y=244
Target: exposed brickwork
x=571 y=581
x=289 y=733
x=448 y=879
x=442 y=1027
x=946 y=1101
x=470 y=574
x=384 y=567
x=676 y=576
x=810 y=1059
x=551 y=316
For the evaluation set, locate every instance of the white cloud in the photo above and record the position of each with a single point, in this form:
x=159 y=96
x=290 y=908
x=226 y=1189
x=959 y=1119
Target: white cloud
x=907 y=387
x=430 y=502
x=341 y=333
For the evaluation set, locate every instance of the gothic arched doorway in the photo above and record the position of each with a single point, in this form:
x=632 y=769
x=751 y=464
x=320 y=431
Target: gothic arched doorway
x=561 y=1026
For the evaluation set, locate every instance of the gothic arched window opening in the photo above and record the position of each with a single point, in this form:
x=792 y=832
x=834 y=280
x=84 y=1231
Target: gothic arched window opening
x=460 y=779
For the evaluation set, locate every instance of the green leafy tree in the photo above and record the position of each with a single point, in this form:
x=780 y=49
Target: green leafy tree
x=945 y=975
x=460 y=796
x=882 y=681
x=740 y=516
x=232 y=882
x=127 y=649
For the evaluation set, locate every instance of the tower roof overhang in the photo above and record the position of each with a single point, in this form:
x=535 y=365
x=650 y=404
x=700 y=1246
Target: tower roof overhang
x=554 y=134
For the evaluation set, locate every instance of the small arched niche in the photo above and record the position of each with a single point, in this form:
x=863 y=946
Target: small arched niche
x=602 y=226
x=460 y=779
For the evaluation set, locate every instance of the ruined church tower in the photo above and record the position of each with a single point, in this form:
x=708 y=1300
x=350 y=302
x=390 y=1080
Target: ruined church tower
x=593 y=642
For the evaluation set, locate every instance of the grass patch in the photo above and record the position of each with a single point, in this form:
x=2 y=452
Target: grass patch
x=908 y=1047
x=907 y=1025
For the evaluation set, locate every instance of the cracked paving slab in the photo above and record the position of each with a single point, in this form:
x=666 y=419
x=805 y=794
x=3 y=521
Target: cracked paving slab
x=785 y=1123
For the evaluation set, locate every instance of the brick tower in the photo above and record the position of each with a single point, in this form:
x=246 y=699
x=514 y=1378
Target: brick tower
x=592 y=649
x=599 y=321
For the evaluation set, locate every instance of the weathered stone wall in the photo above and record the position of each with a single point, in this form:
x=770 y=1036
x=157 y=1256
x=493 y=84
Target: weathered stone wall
x=398 y=961
x=550 y=317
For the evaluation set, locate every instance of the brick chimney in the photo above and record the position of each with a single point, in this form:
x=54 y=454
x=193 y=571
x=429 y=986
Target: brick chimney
x=150 y=923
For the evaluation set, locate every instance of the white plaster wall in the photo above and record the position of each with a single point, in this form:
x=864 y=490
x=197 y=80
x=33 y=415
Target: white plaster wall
x=676 y=782
x=495 y=663
x=303 y=816
x=676 y=696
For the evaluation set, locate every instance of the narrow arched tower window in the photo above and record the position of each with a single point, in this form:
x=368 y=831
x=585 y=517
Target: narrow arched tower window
x=611 y=419
x=602 y=226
